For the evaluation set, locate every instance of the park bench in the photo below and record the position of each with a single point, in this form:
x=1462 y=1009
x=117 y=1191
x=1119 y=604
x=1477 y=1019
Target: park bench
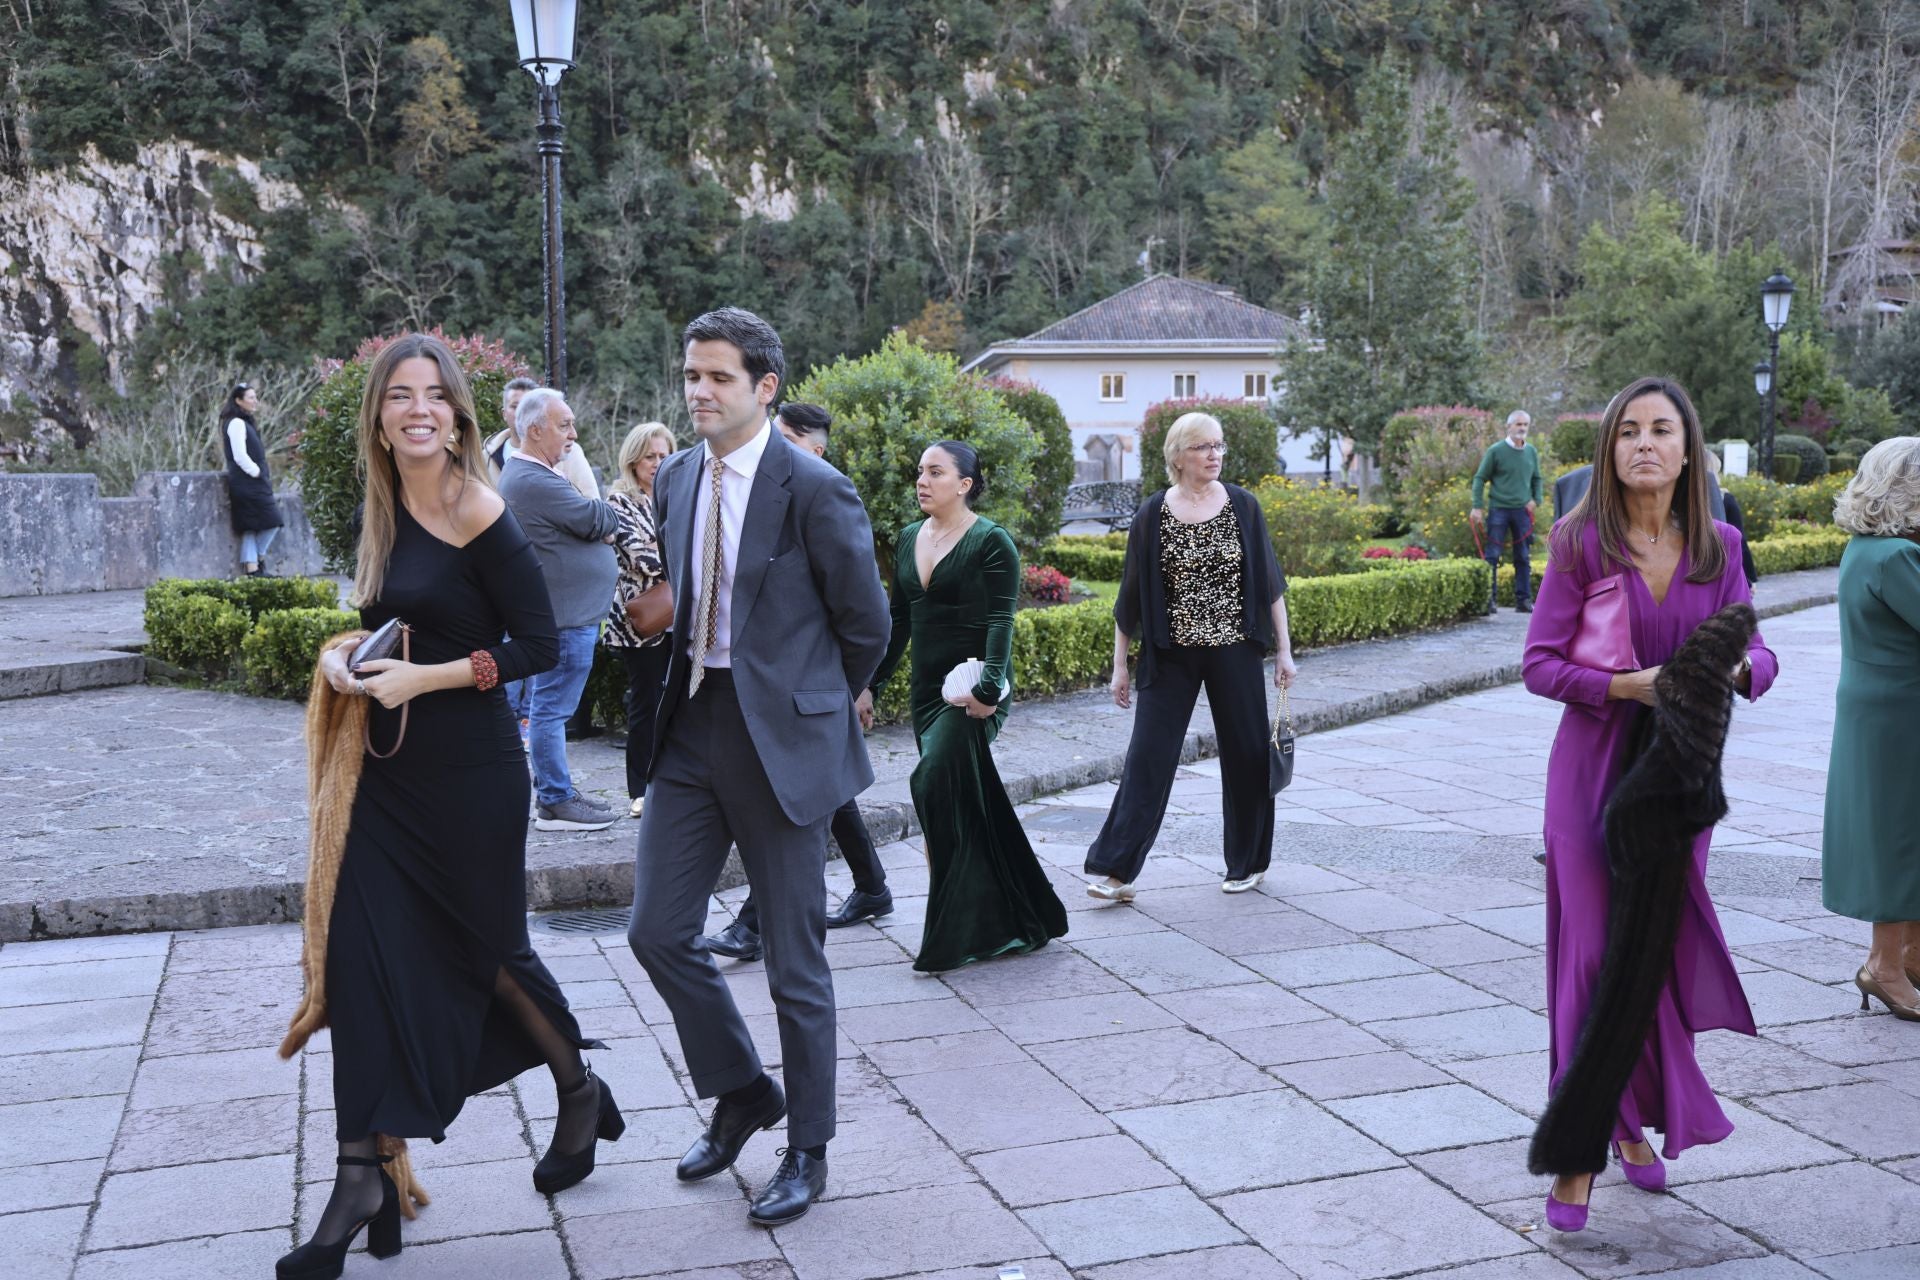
x=1108 y=502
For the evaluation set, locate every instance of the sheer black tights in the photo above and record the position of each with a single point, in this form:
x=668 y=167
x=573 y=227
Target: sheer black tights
x=356 y=1194
x=579 y=1109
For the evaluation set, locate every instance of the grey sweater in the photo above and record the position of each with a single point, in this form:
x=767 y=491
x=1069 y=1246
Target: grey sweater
x=568 y=532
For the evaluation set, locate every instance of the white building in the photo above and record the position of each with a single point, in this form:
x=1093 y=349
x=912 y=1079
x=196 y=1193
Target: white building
x=1165 y=338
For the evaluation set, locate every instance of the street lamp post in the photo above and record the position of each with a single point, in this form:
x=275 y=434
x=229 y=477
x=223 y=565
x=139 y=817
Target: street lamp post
x=1776 y=298
x=543 y=29
x=1762 y=385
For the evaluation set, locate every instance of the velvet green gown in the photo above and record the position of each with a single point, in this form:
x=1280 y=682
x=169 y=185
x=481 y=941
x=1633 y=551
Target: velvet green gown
x=989 y=895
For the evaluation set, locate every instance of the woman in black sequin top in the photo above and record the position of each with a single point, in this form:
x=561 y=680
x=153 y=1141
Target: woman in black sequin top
x=1205 y=597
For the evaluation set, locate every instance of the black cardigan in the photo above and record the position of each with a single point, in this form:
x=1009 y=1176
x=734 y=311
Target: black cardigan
x=1143 y=586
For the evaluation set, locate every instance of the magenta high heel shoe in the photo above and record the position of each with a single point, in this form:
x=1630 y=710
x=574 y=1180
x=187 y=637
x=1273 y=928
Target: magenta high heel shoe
x=1567 y=1217
x=1647 y=1177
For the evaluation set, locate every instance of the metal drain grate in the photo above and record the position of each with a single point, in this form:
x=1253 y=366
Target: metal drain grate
x=575 y=924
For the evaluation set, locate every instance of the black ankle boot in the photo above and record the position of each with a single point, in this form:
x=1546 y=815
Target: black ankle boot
x=316 y=1261
x=558 y=1169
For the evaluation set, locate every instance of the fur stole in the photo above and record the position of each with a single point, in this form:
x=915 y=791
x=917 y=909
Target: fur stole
x=336 y=734
x=1670 y=793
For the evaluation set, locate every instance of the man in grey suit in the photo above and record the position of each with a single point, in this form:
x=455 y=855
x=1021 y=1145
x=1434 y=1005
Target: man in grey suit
x=779 y=618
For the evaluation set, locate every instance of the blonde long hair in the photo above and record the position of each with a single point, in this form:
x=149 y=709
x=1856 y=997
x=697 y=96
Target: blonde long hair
x=379 y=517
x=630 y=450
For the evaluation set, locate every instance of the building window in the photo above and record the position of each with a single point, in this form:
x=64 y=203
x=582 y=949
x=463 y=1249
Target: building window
x=1113 y=388
x=1256 y=386
x=1185 y=385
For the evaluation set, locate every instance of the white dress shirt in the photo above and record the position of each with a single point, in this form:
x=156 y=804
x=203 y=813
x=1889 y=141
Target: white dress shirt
x=736 y=482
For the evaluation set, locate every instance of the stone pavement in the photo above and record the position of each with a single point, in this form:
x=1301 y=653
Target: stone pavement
x=160 y=807
x=1331 y=1077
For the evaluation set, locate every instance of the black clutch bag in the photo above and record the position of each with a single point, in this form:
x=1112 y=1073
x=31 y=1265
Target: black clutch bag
x=1280 y=748
x=383 y=643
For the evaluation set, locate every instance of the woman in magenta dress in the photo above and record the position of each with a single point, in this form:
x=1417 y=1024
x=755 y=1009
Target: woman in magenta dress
x=1647 y=515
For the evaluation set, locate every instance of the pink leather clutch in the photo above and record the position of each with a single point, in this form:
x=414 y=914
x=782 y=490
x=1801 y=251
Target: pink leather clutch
x=1604 y=640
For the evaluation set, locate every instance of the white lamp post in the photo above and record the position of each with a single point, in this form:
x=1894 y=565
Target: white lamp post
x=1776 y=299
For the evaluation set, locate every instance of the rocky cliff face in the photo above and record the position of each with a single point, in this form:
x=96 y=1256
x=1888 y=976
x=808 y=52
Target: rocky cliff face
x=85 y=251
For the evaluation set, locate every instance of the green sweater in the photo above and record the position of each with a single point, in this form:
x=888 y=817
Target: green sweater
x=1515 y=474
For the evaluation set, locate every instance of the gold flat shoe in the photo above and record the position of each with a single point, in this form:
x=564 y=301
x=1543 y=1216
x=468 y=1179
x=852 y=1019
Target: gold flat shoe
x=1110 y=892
x=1869 y=986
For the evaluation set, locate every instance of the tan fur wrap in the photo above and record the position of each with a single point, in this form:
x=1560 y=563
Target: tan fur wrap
x=335 y=733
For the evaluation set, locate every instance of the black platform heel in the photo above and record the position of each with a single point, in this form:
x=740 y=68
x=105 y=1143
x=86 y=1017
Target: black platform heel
x=559 y=1170
x=314 y=1261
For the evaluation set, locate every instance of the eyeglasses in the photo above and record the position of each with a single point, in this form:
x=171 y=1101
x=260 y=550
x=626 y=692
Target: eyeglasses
x=1214 y=446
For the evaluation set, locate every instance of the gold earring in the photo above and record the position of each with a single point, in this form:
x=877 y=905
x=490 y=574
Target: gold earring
x=453 y=445
x=386 y=444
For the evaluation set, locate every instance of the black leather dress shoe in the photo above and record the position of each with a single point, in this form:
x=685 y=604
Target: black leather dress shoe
x=859 y=906
x=727 y=1134
x=795 y=1186
x=735 y=940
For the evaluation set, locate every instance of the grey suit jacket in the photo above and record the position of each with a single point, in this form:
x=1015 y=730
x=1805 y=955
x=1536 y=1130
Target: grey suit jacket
x=1573 y=486
x=810 y=621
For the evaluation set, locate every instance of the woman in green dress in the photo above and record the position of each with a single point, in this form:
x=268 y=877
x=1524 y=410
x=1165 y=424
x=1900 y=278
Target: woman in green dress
x=1870 y=848
x=956 y=580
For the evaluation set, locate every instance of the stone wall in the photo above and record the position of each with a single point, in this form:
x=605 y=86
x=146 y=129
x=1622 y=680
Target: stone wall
x=57 y=534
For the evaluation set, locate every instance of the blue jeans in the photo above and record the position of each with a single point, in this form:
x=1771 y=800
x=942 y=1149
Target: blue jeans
x=552 y=697
x=254 y=544
x=1511 y=522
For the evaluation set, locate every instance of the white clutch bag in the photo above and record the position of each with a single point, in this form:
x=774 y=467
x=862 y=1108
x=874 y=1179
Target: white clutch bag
x=960 y=681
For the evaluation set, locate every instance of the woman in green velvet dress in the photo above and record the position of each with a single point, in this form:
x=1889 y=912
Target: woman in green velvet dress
x=1870 y=844
x=956 y=581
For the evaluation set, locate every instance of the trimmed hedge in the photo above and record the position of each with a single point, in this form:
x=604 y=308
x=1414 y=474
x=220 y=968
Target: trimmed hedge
x=1813 y=549
x=1082 y=560
x=1813 y=459
x=1360 y=606
x=278 y=655
x=205 y=626
x=1111 y=541
x=199 y=632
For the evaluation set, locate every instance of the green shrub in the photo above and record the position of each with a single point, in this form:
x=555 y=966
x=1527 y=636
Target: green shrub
x=1315 y=530
x=1571 y=438
x=1843 y=464
x=1358 y=606
x=1760 y=502
x=1854 y=445
x=330 y=478
x=1112 y=541
x=278 y=655
x=1812 y=549
x=1425 y=450
x=1253 y=440
x=253 y=596
x=1813 y=501
x=1813 y=458
x=1053 y=466
x=1081 y=560
x=889 y=406
x=1864 y=417
x=199 y=632
x=1787 y=467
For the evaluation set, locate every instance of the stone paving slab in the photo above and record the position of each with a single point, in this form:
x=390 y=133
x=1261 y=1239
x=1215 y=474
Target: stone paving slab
x=1332 y=1076
x=163 y=808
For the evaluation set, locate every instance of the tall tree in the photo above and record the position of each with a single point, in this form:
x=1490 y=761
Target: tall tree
x=1391 y=299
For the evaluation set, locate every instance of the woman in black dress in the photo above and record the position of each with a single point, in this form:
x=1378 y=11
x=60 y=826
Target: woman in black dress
x=434 y=991
x=254 y=510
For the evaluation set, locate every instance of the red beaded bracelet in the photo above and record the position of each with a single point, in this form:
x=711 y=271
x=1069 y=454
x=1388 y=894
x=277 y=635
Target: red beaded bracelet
x=486 y=672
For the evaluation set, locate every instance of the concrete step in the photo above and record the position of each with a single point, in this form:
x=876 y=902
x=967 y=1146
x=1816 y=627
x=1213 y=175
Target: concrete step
x=41 y=671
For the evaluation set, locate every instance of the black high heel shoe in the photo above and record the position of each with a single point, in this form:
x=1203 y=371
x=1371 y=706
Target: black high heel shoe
x=559 y=1170
x=315 y=1261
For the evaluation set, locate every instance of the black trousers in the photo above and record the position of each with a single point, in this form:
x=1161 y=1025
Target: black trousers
x=849 y=831
x=646 y=672
x=1236 y=683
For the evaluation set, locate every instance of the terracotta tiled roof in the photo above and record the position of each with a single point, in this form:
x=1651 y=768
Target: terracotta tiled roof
x=1170 y=309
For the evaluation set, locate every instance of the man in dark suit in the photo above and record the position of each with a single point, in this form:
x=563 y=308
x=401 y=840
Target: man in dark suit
x=779 y=618
x=806 y=427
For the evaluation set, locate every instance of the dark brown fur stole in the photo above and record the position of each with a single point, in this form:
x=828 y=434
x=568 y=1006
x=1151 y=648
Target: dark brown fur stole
x=1669 y=794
